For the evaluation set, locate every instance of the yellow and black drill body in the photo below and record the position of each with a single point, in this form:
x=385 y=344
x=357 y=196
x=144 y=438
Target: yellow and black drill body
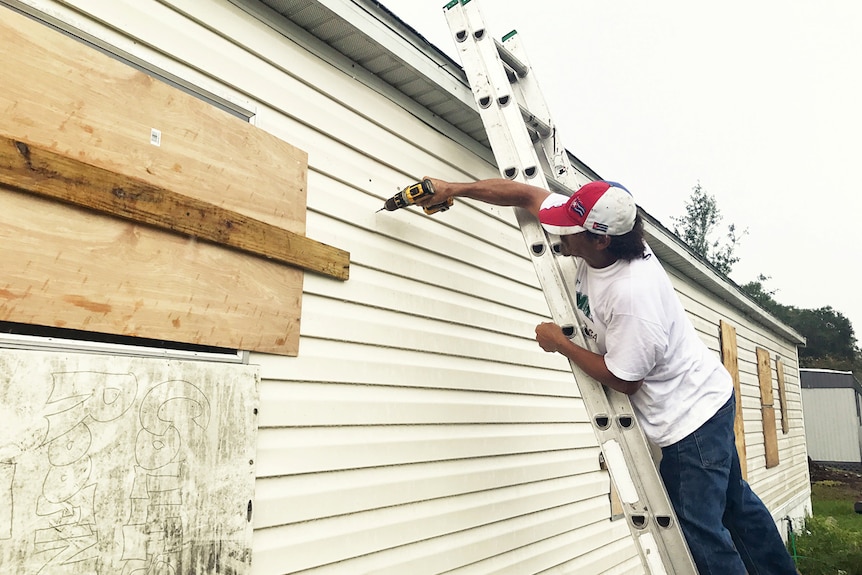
x=413 y=193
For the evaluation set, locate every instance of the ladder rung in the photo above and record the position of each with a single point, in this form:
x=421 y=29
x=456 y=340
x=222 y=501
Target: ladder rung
x=541 y=128
x=511 y=61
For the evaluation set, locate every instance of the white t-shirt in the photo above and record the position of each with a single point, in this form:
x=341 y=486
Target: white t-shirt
x=632 y=312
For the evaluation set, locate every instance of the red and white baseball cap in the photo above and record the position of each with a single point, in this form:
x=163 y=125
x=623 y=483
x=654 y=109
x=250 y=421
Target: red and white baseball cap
x=604 y=208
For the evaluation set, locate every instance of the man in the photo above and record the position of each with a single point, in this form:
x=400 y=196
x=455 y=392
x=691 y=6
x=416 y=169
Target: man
x=648 y=349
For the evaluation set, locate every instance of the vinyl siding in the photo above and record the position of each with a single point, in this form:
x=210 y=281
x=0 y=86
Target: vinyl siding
x=782 y=486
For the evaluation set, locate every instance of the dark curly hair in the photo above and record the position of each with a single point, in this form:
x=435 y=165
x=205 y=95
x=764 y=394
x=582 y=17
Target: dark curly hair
x=629 y=246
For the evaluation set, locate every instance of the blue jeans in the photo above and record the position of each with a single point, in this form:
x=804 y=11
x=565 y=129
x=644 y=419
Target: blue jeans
x=728 y=528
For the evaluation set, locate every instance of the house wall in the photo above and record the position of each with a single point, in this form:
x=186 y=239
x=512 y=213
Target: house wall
x=420 y=429
x=832 y=424
x=785 y=488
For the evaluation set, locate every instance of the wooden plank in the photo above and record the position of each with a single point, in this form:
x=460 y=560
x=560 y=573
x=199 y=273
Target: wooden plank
x=72 y=268
x=770 y=433
x=770 y=437
x=764 y=377
x=33 y=169
x=730 y=358
x=782 y=395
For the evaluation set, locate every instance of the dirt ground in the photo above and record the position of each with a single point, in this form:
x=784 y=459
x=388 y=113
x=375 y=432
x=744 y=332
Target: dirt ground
x=848 y=483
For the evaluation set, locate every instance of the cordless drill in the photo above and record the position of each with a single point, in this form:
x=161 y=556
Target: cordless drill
x=413 y=193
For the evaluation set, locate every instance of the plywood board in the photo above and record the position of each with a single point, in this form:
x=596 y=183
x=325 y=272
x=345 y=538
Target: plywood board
x=125 y=465
x=730 y=359
x=70 y=268
x=770 y=433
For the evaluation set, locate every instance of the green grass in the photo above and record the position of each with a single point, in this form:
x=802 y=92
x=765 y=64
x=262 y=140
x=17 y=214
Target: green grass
x=831 y=541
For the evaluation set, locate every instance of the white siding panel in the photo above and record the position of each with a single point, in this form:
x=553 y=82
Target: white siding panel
x=610 y=542
x=450 y=550
x=287 y=499
x=286 y=451
x=335 y=361
x=832 y=424
x=480 y=308
x=611 y=559
x=345 y=321
x=314 y=404
x=479 y=294
x=414 y=237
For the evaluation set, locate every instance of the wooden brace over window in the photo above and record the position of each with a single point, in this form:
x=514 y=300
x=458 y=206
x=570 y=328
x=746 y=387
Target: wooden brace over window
x=770 y=434
x=730 y=359
x=194 y=184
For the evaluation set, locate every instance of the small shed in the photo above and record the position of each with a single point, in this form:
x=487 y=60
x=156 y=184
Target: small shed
x=832 y=412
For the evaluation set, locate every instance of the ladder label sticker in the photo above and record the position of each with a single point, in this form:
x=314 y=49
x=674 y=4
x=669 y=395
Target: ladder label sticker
x=651 y=553
x=620 y=471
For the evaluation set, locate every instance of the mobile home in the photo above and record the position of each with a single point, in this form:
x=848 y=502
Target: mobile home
x=197 y=406
x=832 y=402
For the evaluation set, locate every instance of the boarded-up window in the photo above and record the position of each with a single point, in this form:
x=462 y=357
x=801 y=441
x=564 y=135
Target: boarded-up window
x=770 y=434
x=103 y=122
x=730 y=359
x=125 y=465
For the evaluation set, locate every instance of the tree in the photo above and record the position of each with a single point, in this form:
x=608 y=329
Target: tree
x=766 y=298
x=828 y=331
x=831 y=342
x=698 y=226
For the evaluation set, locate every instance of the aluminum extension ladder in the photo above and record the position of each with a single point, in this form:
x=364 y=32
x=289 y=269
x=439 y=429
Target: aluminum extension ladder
x=526 y=147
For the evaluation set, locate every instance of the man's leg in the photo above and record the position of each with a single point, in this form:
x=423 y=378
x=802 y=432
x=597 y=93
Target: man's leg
x=696 y=471
x=753 y=529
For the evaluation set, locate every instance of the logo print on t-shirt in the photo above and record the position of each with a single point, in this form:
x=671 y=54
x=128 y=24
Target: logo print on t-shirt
x=583 y=303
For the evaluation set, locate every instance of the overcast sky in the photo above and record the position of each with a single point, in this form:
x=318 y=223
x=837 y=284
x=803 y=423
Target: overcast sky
x=759 y=101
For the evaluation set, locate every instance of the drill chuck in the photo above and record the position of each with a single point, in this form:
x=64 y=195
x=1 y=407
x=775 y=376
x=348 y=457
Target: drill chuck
x=396 y=202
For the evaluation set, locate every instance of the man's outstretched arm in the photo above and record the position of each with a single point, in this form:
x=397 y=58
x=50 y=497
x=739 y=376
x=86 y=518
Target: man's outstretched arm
x=498 y=191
